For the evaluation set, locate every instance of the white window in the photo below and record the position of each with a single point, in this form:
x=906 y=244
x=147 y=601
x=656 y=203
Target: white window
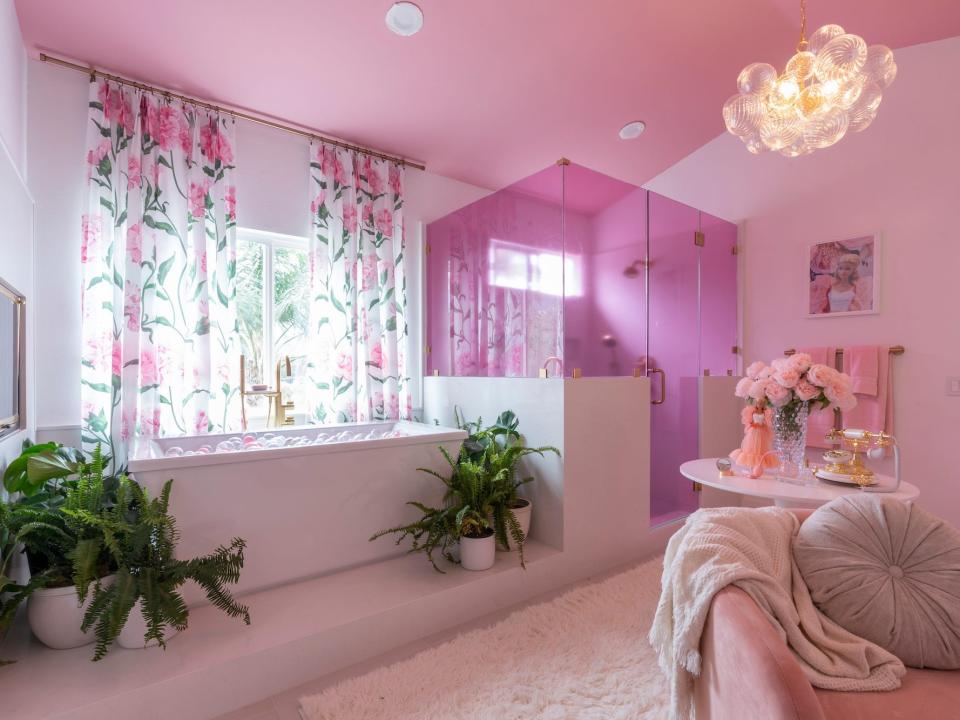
x=273 y=303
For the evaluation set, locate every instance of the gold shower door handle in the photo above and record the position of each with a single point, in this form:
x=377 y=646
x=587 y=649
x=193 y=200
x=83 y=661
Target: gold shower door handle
x=663 y=386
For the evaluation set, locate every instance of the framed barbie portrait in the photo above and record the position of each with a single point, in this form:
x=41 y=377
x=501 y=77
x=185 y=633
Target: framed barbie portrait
x=844 y=277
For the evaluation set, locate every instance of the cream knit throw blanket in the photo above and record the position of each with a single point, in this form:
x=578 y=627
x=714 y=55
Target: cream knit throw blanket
x=751 y=548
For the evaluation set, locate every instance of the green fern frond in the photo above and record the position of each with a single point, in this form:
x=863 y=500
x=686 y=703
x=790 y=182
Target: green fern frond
x=86 y=563
x=516 y=535
x=500 y=527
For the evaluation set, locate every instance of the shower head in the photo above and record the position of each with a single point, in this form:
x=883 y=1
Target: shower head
x=633 y=269
x=609 y=341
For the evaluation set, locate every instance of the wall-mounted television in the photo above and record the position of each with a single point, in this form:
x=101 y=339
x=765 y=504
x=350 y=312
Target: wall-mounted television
x=11 y=359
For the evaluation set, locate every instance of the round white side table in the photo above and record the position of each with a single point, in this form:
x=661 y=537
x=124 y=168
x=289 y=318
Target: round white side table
x=785 y=494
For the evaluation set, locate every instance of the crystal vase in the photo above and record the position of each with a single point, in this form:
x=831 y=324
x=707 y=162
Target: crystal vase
x=790 y=437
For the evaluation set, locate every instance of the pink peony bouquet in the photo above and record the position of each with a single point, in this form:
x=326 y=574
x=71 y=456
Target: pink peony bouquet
x=796 y=379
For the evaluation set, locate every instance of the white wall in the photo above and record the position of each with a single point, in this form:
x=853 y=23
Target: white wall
x=16 y=205
x=272 y=192
x=56 y=111
x=13 y=86
x=899 y=178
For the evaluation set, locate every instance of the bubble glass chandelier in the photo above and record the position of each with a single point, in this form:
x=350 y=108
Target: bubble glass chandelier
x=832 y=85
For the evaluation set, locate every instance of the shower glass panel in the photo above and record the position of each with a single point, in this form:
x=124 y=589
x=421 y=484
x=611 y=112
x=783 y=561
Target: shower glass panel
x=604 y=314
x=674 y=352
x=718 y=296
x=570 y=269
x=495 y=282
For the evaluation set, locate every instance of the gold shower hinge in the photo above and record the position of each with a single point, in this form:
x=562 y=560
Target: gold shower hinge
x=427 y=249
x=563 y=161
x=735 y=349
x=428 y=349
x=734 y=250
x=698 y=238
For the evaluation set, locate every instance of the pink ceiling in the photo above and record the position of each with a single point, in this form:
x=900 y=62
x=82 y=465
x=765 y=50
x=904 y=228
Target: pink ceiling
x=489 y=91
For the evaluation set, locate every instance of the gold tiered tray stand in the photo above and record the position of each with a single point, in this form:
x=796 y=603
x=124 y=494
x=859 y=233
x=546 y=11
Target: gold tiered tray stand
x=276 y=408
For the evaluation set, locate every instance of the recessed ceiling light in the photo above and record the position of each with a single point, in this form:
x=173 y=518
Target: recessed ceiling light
x=404 y=18
x=632 y=130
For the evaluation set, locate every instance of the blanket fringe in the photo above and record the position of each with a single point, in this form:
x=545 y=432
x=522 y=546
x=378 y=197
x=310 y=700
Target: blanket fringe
x=691 y=662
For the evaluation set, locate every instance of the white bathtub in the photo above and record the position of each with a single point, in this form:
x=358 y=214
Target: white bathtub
x=304 y=510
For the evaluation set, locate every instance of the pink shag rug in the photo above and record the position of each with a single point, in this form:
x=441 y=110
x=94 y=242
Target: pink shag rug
x=581 y=656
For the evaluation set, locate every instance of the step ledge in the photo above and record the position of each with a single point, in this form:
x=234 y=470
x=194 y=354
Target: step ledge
x=282 y=616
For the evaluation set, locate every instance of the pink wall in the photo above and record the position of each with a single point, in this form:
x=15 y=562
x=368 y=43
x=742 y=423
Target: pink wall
x=898 y=178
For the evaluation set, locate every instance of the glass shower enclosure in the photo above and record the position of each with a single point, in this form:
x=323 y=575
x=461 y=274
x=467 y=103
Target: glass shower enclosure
x=570 y=270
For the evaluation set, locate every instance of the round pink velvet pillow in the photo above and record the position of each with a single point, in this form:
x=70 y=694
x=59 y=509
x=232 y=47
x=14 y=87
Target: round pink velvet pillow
x=888 y=572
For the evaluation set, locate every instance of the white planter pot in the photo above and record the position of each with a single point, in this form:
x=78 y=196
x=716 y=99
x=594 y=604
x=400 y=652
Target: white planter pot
x=478 y=553
x=523 y=515
x=56 y=614
x=131 y=636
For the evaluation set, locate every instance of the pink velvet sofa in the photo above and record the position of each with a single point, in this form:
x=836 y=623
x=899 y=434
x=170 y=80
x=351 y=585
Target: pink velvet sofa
x=748 y=672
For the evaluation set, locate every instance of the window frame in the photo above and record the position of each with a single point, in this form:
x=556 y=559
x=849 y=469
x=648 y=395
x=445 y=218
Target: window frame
x=269 y=241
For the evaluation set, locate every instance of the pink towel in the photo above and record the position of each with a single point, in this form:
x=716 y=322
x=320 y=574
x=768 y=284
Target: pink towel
x=873 y=412
x=862 y=364
x=820 y=421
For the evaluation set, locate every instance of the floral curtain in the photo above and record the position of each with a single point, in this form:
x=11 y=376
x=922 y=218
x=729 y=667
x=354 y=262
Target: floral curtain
x=158 y=258
x=358 y=310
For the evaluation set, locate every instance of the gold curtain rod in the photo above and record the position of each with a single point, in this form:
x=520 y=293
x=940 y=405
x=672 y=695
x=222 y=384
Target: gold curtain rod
x=893 y=349
x=92 y=72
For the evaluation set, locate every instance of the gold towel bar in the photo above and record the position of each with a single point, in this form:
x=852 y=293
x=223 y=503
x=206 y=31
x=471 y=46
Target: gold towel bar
x=894 y=350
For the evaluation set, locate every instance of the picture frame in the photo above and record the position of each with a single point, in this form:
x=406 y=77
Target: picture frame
x=843 y=277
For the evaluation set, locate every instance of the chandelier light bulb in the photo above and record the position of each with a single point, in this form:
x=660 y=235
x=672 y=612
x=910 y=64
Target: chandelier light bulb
x=831 y=86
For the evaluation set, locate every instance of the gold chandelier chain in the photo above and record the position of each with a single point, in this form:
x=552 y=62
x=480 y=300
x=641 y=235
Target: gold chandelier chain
x=802 y=45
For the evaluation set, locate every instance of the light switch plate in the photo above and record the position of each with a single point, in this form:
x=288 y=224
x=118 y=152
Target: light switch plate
x=953 y=386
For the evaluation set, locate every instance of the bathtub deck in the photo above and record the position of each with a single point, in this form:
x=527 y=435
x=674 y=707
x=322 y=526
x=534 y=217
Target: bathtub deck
x=299 y=631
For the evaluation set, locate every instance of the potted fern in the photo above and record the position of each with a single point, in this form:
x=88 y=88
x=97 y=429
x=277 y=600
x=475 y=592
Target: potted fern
x=61 y=552
x=143 y=606
x=462 y=520
x=499 y=448
x=481 y=506
x=474 y=491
